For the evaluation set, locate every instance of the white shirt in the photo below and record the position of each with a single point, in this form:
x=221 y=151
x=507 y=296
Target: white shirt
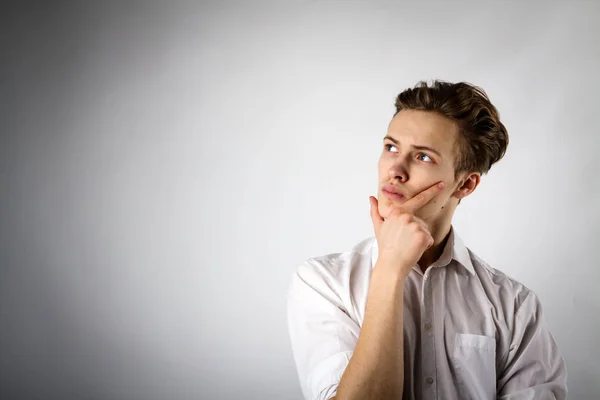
x=470 y=331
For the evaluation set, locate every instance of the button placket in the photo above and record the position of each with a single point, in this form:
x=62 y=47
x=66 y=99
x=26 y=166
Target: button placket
x=428 y=339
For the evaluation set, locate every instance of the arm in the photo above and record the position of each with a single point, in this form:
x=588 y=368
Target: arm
x=533 y=367
x=376 y=369
x=331 y=351
x=323 y=329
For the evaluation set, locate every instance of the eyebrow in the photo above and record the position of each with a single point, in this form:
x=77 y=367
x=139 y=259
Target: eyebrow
x=418 y=147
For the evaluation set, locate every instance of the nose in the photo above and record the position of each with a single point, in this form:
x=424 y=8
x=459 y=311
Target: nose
x=398 y=171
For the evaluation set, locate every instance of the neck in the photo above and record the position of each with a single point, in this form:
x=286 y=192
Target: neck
x=440 y=233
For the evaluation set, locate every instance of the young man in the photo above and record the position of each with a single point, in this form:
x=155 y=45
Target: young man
x=412 y=313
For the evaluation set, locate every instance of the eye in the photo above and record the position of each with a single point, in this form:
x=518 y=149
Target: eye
x=388 y=147
x=421 y=157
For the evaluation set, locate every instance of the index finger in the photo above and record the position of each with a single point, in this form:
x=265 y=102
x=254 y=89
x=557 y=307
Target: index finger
x=421 y=199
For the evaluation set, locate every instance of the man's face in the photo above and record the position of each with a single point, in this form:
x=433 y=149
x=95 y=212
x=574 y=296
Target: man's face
x=419 y=150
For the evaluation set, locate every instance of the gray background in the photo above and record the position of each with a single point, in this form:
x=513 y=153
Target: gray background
x=166 y=166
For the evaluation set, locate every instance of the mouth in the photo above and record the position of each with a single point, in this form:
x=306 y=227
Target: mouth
x=392 y=193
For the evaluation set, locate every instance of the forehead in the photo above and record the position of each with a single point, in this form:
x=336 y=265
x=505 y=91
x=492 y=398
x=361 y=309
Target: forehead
x=426 y=128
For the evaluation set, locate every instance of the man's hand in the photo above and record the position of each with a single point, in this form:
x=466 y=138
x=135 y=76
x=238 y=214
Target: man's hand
x=402 y=238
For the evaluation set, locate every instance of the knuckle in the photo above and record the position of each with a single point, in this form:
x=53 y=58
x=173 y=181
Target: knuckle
x=416 y=227
x=424 y=238
x=406 y=218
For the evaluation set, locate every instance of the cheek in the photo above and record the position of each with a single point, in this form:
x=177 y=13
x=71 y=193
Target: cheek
x=382 y=166
x=437 y=204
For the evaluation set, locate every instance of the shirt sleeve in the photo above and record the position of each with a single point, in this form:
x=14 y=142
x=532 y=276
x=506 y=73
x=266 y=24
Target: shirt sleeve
x=533 y=367
x=322 y=333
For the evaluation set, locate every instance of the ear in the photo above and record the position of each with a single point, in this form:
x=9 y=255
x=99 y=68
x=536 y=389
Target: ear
x=467 y=185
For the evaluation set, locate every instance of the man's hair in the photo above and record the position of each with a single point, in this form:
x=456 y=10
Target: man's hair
x=483 y=138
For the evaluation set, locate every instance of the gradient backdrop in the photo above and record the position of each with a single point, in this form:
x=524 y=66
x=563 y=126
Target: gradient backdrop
x=165 y=166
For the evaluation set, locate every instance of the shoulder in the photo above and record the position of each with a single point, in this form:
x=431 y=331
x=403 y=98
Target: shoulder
x=335 y=271
x=502 y=289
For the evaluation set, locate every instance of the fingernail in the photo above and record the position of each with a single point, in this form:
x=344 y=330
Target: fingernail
x=441 y=185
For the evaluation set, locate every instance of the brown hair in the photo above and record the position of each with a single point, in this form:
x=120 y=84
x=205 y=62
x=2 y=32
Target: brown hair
x=484 y=137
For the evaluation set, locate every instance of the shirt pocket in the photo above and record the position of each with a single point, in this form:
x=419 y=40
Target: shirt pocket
x=474 y=360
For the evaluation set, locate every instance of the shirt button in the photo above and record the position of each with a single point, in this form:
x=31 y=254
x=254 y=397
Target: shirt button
x=428 y=326
x=429 y=380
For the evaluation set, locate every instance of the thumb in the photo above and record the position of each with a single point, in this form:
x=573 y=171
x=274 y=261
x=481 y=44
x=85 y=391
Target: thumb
x=375 y=216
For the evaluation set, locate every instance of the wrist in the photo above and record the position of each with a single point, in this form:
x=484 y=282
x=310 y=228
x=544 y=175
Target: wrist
x=394 y=271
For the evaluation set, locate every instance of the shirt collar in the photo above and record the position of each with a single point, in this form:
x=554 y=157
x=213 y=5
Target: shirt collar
x=454 y=250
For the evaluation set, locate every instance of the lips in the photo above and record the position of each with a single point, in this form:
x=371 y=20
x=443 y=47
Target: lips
x=392 y=192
